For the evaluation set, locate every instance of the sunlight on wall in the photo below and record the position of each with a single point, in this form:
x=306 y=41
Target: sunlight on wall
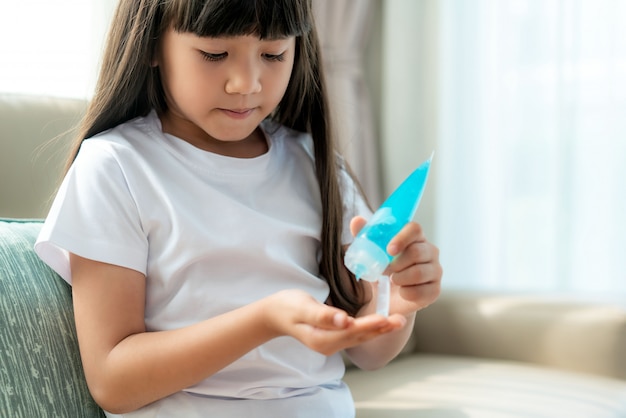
x=51 y=47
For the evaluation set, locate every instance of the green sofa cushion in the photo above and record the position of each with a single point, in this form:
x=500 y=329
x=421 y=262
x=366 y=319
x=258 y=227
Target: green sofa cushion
x=40 y=369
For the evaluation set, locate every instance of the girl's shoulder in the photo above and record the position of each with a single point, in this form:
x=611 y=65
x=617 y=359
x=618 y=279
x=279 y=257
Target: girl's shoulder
x=126 y=137
x=138 y=126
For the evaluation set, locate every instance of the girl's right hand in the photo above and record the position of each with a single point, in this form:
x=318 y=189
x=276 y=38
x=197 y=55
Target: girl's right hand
x=324 y=328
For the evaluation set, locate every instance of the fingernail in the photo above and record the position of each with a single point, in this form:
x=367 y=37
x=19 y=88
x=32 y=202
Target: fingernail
x=339 y=320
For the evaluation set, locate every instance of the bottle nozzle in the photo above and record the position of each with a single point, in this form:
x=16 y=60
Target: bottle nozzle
x=366 y=260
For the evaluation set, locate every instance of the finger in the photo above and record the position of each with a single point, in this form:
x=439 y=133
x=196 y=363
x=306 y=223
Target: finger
x=326 y=317
x=374 y=324
x=361 y=326
x=417 y=274
x=412 y=232
x=369 y=322
x=421 y=295
x=392 y=323
x=414 y=253
x=371 y=327
x=360 y=330
x=356 y=224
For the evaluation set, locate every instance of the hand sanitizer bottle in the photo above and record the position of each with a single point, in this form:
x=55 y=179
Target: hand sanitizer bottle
x=367 y=256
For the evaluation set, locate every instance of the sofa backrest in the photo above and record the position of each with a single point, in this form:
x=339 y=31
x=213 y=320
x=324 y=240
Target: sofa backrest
x=40 y=369
x=34 y=142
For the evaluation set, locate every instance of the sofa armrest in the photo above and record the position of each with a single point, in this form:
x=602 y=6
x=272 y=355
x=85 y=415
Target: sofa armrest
x=41 y=372
x=35 y=134
x=557 y=332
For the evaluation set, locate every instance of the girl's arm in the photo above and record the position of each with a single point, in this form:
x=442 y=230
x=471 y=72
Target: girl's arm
x=127 y=367
x=415 y=283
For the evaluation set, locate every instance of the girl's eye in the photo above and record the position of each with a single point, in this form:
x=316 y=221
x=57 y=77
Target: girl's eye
x=213 y=57
x=274 y=57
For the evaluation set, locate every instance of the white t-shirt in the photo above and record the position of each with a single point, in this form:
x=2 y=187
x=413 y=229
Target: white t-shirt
x=211 y=233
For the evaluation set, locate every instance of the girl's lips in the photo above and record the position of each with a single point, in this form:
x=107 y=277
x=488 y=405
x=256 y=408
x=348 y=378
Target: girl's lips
x=238 y=113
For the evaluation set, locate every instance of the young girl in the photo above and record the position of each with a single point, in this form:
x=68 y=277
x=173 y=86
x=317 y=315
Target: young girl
x=203 y=219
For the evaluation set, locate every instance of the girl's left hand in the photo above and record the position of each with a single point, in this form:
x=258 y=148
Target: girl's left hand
x=415 y=270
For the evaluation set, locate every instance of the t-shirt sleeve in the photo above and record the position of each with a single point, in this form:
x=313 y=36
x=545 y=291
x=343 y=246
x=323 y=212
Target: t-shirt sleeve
x=93 y=215
x=353 y=204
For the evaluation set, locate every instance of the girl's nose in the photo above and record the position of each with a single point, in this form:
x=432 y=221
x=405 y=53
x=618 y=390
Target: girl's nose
x=243 y=79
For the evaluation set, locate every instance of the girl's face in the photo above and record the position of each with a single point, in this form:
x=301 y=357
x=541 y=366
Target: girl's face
x=218 y=90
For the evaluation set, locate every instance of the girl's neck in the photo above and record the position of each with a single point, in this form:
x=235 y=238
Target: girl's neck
x=254 y=145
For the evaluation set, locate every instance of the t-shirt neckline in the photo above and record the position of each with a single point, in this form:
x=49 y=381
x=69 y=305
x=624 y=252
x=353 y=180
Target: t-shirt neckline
x=217 y=164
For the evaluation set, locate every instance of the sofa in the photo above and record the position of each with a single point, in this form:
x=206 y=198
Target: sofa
x=478 y=355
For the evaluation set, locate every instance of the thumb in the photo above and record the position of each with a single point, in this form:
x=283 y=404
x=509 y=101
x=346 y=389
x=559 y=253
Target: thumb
x=327 y=317
x=356 y=224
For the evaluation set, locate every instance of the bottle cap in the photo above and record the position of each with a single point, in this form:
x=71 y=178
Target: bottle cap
x=366 y=260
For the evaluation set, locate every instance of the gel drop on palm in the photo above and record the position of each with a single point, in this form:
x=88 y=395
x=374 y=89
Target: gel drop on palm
x=367 y=256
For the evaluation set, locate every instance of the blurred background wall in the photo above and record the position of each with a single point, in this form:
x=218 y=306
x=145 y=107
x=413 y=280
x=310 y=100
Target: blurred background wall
x=523 y=102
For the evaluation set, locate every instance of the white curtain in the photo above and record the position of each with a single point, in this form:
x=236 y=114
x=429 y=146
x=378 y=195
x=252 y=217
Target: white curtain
x=532 y=146
x=343 y=27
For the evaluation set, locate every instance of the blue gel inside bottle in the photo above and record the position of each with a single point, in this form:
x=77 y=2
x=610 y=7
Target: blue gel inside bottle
x=367 y=256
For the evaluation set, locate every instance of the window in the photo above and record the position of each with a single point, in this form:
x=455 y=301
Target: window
x=532 y=193
x=52 y=47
